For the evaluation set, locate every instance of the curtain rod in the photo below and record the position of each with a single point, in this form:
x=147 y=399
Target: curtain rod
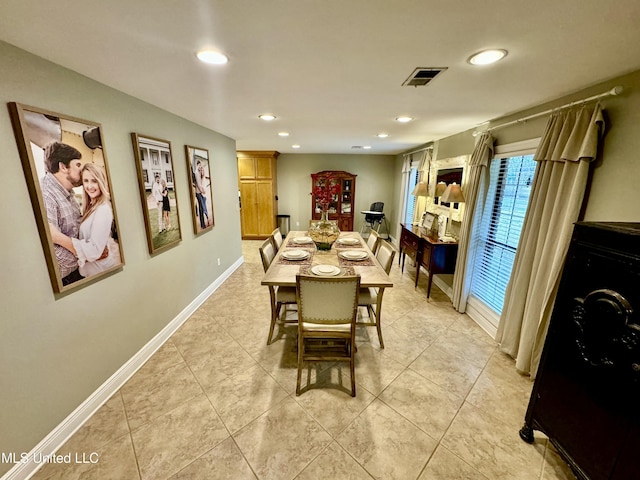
x=430 y=147
x=614 y=91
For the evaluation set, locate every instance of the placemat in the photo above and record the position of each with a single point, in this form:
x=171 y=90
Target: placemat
x=355 y=245
x=306 y=261
x=367 y=262
x=292 y=244
x=348 y=271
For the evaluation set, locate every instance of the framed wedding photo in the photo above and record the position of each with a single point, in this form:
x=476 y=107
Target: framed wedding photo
x=158 y=195
x=65 y=167
x=201 y=188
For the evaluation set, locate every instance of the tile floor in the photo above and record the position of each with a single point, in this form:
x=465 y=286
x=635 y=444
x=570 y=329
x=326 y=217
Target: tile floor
x=215 y=402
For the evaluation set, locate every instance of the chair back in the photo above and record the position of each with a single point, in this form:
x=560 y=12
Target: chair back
x=385 y=255
x=267 y=253
x=276 y=236
x=375 y=207
x=372 y=241
x=327 y=300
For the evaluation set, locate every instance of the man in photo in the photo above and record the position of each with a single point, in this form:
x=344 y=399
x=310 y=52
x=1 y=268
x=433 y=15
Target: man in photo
x=63 y=172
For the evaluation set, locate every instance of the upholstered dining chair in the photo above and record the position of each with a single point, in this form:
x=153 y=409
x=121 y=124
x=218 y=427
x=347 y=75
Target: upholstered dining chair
x=373 y=240
x=327 y=329
x=279 y=296
x=276 y=237
x=370 y=297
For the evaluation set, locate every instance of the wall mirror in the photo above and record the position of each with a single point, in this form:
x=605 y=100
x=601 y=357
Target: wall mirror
x=447 y=170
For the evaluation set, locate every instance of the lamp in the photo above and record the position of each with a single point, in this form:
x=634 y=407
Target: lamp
x=440 y=188
x=452 y=194
x=421 y=190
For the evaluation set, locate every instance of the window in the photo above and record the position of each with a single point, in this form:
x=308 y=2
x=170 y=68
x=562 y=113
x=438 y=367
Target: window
x=497 y=231
x=410 y=200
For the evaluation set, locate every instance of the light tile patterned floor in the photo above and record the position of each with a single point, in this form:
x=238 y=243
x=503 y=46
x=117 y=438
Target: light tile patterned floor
x=440 y=402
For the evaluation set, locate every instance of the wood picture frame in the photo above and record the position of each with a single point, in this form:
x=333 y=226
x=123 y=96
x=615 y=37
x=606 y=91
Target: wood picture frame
x=65 y=166
x=158 y=193
x=200 y=186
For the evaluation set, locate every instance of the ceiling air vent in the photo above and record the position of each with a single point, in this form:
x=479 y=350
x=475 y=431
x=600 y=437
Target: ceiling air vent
x=422 y=76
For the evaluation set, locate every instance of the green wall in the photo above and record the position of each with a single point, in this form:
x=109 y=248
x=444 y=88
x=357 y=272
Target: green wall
x=613 y=192
x=55 y=351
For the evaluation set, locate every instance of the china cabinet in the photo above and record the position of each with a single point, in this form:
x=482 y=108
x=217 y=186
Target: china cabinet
x=342 y=206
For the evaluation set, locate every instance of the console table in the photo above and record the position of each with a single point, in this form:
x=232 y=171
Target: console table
x=435 y=256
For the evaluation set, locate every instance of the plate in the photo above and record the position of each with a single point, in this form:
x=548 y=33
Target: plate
x=354 y=255
x=325 y=270
x=302 y=240
x=295 y=254
x=348 y=241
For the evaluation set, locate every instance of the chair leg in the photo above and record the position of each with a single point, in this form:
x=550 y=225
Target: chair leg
x=352 y=365
x=300 y=351
x=275 y=312
x=378 y=314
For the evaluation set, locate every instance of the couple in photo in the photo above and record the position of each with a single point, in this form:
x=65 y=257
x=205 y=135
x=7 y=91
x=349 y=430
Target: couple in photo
x=83 y=240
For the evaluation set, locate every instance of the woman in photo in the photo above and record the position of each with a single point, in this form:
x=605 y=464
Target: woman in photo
x=95 y=247
x=166 y=207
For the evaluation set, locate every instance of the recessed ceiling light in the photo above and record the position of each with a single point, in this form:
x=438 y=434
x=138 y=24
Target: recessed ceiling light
x=383 y=135
x=487 y=57
x=212 y=57
x=367 y=147
x=283 y=134
x=267 y=117
x=295 y=146
x=404 y=119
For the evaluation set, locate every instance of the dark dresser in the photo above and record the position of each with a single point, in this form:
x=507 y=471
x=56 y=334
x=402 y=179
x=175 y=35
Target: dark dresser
x=434 y=256
x=586 y=396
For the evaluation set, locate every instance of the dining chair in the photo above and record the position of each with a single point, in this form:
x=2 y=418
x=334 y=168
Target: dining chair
x=276 y=237
x=373 y=240
x=279 y=296
x=327 y=310
x=371 y=297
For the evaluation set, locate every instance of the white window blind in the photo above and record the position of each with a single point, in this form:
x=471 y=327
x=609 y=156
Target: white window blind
x=410 y=200
x=499 y=229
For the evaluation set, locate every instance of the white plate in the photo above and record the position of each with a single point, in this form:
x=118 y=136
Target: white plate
x=325 y=270
x=348 y=241
x=295 y=254
x=302 y=240
x=354 y=254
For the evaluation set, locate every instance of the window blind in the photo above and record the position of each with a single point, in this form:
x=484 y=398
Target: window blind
x=411 y=200
x=496 y=238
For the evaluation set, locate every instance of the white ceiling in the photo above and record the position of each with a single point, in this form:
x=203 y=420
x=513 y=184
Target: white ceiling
x=332 y=70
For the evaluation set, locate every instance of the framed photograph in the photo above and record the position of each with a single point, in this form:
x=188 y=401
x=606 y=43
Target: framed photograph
x=427 y=221
x=200 y=187
x=65 y=166
x=154 y=163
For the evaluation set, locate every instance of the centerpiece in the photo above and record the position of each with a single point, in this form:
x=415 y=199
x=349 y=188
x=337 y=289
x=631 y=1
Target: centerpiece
x=324 y=232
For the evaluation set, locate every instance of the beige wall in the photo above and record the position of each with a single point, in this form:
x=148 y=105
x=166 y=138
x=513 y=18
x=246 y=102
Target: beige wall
x=374 y=183
x=55 y=351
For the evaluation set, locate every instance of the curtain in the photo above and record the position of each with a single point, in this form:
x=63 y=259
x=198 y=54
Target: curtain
x=568 y=146
x=423 y=176
x=476 y=183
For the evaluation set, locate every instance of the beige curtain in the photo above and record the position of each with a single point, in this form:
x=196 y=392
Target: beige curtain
x=476 y=183
x=423 y=176
x=568 y=145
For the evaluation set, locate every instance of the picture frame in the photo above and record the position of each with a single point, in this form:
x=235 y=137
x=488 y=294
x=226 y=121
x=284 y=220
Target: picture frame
x=201 y=189
x=65 y=166
x=158 y=193
x=427 y=220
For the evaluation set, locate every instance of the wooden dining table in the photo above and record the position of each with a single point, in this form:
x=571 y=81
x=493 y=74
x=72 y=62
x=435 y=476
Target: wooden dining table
x=282 y=272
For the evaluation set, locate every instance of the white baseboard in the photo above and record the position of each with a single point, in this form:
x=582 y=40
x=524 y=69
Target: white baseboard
x=484 y=317
x=70 y=425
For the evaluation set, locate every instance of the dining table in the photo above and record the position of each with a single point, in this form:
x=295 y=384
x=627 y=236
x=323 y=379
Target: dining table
x=349 y=255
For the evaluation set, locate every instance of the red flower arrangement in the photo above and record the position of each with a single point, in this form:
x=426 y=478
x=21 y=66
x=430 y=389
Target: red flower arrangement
x=324 y=192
